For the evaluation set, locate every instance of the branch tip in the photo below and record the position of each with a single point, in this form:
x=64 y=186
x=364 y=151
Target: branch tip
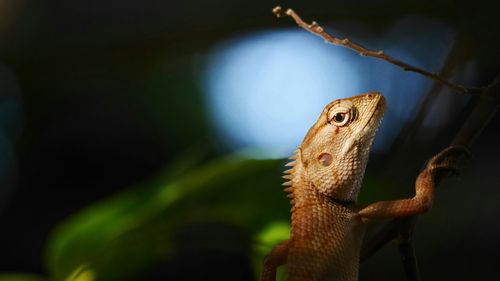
x=278 y=11
x=317 y=30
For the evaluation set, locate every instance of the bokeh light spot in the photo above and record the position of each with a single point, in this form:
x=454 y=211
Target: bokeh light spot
x=264 y=90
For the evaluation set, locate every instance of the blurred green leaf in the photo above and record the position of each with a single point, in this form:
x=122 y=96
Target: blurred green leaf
x=21 y=277
x=122 y=236
x=266 y=239
x=82 y=273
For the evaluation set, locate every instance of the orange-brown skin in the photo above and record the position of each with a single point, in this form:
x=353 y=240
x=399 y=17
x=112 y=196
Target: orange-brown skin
x=323 y=183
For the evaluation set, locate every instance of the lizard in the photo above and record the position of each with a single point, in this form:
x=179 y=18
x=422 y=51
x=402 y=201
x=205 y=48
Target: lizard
x=323 y=182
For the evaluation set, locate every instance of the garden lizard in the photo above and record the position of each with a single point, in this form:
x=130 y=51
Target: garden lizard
x=325 y=175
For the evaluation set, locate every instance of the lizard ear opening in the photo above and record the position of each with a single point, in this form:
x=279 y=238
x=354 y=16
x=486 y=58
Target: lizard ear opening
x=325 y=159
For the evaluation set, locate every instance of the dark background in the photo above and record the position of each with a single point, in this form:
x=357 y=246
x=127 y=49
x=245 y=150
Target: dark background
x=93 y=78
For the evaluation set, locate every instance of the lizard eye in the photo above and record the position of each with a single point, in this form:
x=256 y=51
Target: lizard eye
x=340 y=117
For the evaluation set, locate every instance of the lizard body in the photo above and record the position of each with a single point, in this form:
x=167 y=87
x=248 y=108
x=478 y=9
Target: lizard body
x=323 y=183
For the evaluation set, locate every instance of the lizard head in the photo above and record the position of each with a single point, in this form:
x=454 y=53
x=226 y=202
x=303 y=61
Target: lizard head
x=335 y=150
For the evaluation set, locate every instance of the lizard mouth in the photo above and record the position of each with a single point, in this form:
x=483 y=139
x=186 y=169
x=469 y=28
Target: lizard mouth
x=378 y=110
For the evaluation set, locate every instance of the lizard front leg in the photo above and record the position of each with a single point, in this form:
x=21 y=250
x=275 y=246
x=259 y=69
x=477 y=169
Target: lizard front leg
x=424 y=190
x=276 y=258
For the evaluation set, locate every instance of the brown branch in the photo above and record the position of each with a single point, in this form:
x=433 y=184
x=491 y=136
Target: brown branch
x=402 y=229
x=316 y=29
x=410 y=129
x=409 y=259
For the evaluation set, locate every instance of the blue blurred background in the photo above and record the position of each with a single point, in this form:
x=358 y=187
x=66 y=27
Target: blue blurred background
x=99 y=96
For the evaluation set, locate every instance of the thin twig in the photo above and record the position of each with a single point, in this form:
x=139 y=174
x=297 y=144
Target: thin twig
x=316 y=29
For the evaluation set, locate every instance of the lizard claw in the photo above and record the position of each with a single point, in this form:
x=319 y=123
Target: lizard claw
x=447 y=167
x=442 y=161
x=450 y=151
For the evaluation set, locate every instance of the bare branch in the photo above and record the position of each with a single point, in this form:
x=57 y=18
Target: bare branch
x=316 y=29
